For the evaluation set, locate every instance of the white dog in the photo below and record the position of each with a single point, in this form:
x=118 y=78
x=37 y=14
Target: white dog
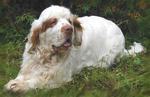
x=60 y=44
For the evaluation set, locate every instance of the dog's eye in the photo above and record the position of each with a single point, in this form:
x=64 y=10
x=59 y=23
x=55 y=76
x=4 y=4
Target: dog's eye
x=49 y=23
x=53 y=22
x=69 y=21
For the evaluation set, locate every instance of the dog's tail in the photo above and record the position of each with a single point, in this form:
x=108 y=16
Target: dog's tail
x=135 y=49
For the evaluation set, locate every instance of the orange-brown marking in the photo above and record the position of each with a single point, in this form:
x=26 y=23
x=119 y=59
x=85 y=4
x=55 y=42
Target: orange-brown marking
x=48 y=24
x=35 y=37
x=77 y=25
x=36 y=32
x=78 y=32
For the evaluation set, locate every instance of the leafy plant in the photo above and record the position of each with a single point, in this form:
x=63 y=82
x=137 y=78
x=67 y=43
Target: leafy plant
x=17 y=30
x=25 y=19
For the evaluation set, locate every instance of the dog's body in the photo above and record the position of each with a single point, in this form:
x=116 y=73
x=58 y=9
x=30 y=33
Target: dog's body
x=60 y=45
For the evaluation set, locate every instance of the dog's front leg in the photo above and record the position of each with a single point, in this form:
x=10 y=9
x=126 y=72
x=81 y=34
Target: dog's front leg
x=24 y=83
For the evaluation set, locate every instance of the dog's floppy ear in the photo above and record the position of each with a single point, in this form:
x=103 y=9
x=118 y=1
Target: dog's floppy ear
x=35 y=31
x=78 y=30
x=35 y=37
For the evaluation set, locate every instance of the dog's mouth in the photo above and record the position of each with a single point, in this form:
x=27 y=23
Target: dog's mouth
x=67 y=43
x=64 y=46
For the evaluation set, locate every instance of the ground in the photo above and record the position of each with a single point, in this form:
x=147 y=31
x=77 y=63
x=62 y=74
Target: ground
x=128 y=78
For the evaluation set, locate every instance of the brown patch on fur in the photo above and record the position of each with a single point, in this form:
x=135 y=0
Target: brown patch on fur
x=78 y=29
x=48 y=24
x=35 y=37
x=77 y=25
x=36 y=32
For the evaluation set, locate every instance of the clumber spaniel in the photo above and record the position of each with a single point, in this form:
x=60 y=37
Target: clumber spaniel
x=60 y=44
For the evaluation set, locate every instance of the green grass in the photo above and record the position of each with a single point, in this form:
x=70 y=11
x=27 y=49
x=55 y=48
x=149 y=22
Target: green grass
x=129 y=78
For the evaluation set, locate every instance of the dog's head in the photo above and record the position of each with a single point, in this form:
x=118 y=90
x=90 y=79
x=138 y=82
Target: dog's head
x=56 y=27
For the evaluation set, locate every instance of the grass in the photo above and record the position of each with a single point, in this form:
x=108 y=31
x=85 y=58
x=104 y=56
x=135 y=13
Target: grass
x=129 y=78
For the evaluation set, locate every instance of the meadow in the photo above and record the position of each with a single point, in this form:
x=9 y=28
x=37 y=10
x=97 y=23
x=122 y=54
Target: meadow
x=128 y=78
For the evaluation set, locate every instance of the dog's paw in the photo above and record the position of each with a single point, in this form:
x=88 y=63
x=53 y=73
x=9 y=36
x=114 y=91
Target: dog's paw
x=15 y=86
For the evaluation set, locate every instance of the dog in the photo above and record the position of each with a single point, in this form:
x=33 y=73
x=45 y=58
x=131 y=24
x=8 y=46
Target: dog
x=60 y=44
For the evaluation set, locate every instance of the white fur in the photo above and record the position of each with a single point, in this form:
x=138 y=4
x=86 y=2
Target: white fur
x=135 y=48
x=102 y=43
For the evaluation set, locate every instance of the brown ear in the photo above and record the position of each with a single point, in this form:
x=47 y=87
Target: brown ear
x=78 y=30
x=77 y=25
x=35 y=37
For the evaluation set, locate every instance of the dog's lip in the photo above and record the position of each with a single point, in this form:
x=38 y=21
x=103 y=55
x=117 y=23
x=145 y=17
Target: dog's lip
x=66 y=44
